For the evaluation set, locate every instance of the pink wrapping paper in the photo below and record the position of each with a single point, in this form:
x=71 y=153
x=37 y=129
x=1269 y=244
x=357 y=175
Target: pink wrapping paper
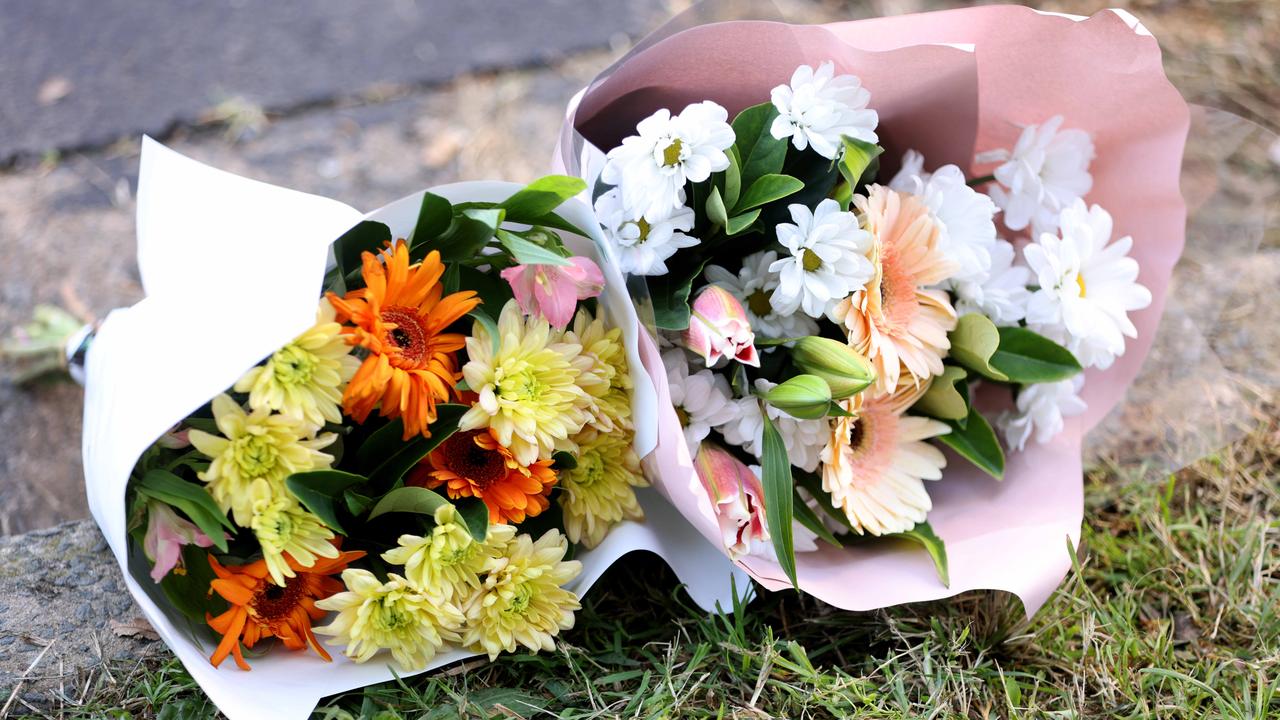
x=947 y=84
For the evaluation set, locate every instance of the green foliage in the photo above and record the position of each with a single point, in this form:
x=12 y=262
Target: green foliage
x=191 y=499
x=759 y=151
x=320 y=491
x=388 y=473
x=976 y=441
x=947 y=397
x=417 y=500
x=540 y=197
x=767 y=189
x=923 y=535
x=528 y=253
x=188 y=589
x=670 y=295
x=1026 y=357
x=857 y=160
x=973 y=342
x=366 y=236
x=779 y=495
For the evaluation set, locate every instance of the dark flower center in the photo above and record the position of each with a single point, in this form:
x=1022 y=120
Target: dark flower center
x=463 y=457
x=275 y=603
x=408 y=334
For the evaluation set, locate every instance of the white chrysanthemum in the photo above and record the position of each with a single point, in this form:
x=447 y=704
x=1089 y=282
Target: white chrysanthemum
x=827 y=259
x=1002 y=295
x=702 y=400
x=1088 y=284
x=804 y=439
x=1047 y=170
x=1041 y=409
x=753 y=286
x=964 y=216
x=819 y=107
x=640 y=246
x=652 y=167
x=802 y=538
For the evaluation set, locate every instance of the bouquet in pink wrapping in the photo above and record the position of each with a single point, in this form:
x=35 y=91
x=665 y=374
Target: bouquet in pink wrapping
x=895 y=270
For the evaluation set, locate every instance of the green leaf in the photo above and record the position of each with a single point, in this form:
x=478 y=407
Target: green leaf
x=942 y=400
x=670 y=295
x=356 y=502
x=475 y=514
x=434 y=217
x=741 y=223
x=837 y=411
x=1027 y=357
x=716 y=212
x=976 y=441
x=417 y=500
x=767 y=189
x=494 y=292
x=388 y=474
x=318 y=489
x=470 y=231
x=809 y=519
x=379 y=445
x=564 y=460
x=812 y=483
x=192 y=499
x=732 y=178
x=490 y=328
x=528 y=253
x=188 y=591
x=973 y=342
x=923 y=534
x=541 y=197
x=857 y=158
x=760 y=152
x=366 y=236
x=778 y=496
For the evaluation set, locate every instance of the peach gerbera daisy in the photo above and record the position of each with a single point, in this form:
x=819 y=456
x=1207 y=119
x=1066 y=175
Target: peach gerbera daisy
x=896 y=320
x=875 y=463
x=400 y=317
x=472 y=463
x=261 y=609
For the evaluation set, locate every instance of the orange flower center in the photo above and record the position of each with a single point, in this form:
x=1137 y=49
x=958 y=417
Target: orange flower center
x=275 y=604
x=465 y=458
x=408 y=334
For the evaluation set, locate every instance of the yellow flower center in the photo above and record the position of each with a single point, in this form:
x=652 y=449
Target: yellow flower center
x=292 y=365
x=388 y=616
x=255 y=455
x=758 y=302
x=590 y=469
x=644 y=227
x=682 y=416
x=519 y=603
x=810 y=261
x=1080 y=283
x=671 y=156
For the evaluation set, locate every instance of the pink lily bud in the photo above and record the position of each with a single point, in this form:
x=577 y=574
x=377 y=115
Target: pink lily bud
x=737 y=496
x=176 y=438
x=553 y=291
x=718 y=327
x=166 y=534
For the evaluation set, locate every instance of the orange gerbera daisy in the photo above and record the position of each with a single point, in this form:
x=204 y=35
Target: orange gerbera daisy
x=472 y=463
x=400 y=317
x=262 y=609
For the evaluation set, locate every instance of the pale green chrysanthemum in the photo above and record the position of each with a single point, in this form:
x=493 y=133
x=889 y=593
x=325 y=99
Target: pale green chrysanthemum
x=447 y=563
x=305 y=378
x=283 y=526
x=521 y=601
x=600 y=491
x=255 y=446
x=528 y=387
x=611 y=377
x=375 y=616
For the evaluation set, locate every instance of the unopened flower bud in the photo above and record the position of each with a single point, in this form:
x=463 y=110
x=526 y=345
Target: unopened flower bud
x=846 y=371
x=806 y=397
x=718 y=327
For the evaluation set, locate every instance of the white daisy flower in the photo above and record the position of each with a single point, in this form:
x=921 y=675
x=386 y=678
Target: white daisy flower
x=1088 y=284
x=1041 y=409
x=640 y=246
x=703 y=400
x=965 y=217
x=753 y=286
x=652 y=167
x=1047 y=170
x=819 y=107
x=804 y=439
x=827 y=261
x=1002 y=295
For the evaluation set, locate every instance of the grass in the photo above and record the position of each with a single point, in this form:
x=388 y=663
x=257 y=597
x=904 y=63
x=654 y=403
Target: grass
x=1172 y=611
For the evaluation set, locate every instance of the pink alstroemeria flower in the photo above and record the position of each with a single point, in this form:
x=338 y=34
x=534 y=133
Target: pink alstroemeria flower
x=737 y=496
x=553 y=291
x=718 y=327
x=166 y=534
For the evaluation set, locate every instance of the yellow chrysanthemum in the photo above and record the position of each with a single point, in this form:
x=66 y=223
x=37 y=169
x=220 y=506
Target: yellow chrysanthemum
x=375 y=616
x=528 y=386
x=520 y=601
x=611 y=378
x=600 y=491
x=447 y=562
x=305 y=378
x=255 y=446
x=282 y=527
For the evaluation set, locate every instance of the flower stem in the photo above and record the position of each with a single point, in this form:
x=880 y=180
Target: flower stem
x=981 y=180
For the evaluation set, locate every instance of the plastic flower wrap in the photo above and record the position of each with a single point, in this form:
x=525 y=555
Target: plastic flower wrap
x=333 y=462
x=949 y=237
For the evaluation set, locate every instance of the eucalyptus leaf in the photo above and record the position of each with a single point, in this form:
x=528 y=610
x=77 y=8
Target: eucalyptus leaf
x=416 y=500
x=760 y=152
x=923 y=534
x=528 y=253
x=973 y=342
x=977 y=442
x=767 y=189
x=1026 y=357
x=779 y=495
x=318 y=490
x=942 y=400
